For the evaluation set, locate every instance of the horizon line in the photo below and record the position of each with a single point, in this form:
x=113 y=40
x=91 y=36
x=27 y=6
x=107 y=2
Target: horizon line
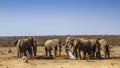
x=65 y=35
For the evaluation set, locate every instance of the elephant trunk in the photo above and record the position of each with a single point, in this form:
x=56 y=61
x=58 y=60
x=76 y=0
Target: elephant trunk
x=60 y=51
x=34 y=45
x=34 y=50
x=66 y=49
x=98 y=48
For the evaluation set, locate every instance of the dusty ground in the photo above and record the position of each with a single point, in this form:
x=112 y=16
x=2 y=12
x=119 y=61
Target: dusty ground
x=9 y=60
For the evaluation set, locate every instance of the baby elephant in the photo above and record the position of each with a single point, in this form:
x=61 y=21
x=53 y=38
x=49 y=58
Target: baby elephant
x=53 y=44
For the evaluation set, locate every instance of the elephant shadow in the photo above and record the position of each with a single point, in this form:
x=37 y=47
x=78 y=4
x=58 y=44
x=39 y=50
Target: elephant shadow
x=44 y=57
x=111 y=58
x=115 y=57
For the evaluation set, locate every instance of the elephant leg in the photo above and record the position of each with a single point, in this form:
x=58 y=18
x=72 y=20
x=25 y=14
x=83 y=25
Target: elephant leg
x=93 y=53
x=54 y=52
x=18 y=53
x=46 y=52
x=34 y=50
x=76 y=53
x=108 y=53
x=59 y=51
x=94 y=50
x=21 y=54
x=105 y=53
x=30 y=52
x=89 y=54
x=25 y=53
x=84 y=54
x=98 y=55
x=50 y=53
x=79 y=54
x=34 y=53
x=66 y=51
x=54 y=55
x=73 y=51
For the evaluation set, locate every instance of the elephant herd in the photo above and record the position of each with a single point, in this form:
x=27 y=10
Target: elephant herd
x=79 y=47
x=92 y=47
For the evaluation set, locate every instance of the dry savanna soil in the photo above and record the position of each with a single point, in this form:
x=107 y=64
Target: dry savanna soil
x=10 y=60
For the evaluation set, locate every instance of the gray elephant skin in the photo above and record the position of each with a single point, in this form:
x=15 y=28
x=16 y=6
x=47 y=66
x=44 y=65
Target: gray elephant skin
x=24 y=45
x=104 y=47
x=52 y=45
x=78 y=45
x=95 y=48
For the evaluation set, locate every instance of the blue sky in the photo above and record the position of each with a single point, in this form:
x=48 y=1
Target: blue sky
x=60 y=17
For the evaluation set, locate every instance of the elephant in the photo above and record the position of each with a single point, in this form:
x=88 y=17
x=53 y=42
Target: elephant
x=23 y=48
x=24 y=45
x=78 y=45
x=53 y=44
x=95 y=48
x=104 y=47
x=68 y=46
x=82 y=45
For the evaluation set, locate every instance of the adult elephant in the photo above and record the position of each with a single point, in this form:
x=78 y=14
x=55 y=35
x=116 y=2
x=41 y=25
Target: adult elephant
x=53 y=44
x=95 y=48
x=24 y=45
x=104 y=47
x=68 y=46
x=78 y=45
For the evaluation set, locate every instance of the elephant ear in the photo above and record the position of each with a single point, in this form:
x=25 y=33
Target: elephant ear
x=31 y=39
x=16 y=42
x=66 y=43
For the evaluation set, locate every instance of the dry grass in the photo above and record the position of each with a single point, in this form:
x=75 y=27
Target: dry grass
x=9 y=41
x=10 y=60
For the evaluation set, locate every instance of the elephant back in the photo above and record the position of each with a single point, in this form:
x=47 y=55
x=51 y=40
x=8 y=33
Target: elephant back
x=84 y=41
x=95 y=45
x=103 y=44
x=57 y=42
x=25 y=43
x=50 y=44
x=84 y=44
x=93 y=42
